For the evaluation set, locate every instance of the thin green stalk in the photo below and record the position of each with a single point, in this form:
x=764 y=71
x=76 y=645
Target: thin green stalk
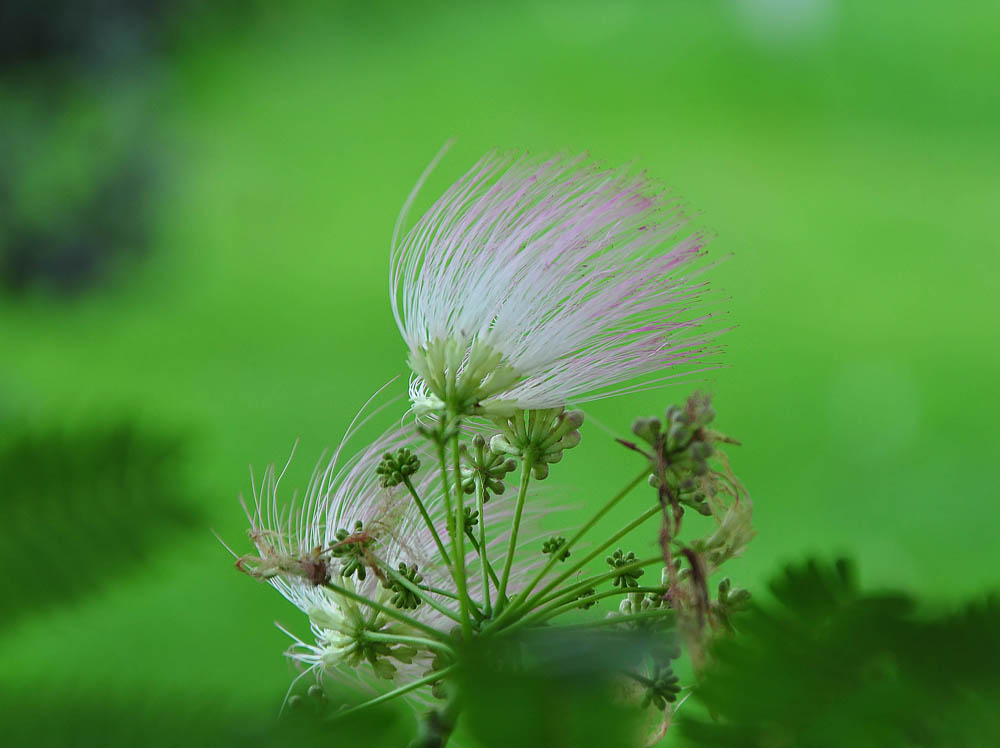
x=583 y=584
x=390 y=612
x=489 y=566
x=523 y=597
x=514 y=625
x=390 y=695
x=565 y=606
x=451 y=596
x=638 y=678
x=439 y=591
x=417 y=641
x=427 y=520
x=566 y=574
x=659 y=614
x=481 y=550
x=437 y=725
x=458 y=535
x=526 y=465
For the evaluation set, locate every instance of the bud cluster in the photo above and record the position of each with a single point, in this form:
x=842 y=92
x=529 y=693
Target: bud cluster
x=729 y=600
x=587 y=604
x=538 y=436
x=682 y=446
x=553 y=545
x=489 y=466
x=470 y=520
x=662 y=688
x=397 y=467
x=627 y=577
x=404 y=597
x=351 y=548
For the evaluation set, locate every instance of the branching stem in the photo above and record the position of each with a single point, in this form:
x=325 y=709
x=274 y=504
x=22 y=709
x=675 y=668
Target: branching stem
x=402 y=690
x=523 y=599
x=526 y=465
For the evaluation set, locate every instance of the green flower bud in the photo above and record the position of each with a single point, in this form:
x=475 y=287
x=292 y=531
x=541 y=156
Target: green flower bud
x=397 y=467
x=629 y=577
x=351 y=548
x=553 y=546
x=403 y=597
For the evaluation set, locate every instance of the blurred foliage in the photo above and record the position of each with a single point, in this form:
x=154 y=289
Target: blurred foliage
x=77 y=142
x=555 y=689
x=830 y=665
x=78 y=32
x=77 y=178
x=59 y=720
x=82 y=506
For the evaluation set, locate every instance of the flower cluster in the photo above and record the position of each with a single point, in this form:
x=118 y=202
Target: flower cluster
x=532 y=283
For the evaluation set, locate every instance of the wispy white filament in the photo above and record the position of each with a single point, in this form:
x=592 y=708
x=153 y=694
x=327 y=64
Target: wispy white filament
x=580 y=276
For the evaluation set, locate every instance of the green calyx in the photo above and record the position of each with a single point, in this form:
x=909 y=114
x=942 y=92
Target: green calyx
x=538 y=436
x=351 y=548
x=403 y=597
x=553 y=545
x=462 y=377
x=627 y=577
x=488 y=466
x=396 y=467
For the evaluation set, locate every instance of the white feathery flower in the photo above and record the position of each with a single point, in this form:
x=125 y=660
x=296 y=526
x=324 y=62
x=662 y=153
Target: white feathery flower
x=295 y=545
x=533 y=282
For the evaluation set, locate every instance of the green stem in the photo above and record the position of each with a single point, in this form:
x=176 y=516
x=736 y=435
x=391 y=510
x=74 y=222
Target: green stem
x=596 y=579
x=390 y=612
x=437 y=725
x=660 y=614
x=489 y=566
x=417 y=641
x=651 y=512
x=522 y=491
x=523 y=598
x=390 y=695
x=579 y=587
x=427 y=520
x=481 y=549
x=638 y=678
x=564 y=605
x=439 y=591
x=458 y=535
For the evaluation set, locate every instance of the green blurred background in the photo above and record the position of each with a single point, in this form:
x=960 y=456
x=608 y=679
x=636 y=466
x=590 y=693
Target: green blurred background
x=241 y=167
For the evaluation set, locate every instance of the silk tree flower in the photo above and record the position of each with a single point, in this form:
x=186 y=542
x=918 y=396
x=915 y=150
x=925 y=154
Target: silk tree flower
x=533 y=282
x=291 y=543
x=350 y=499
